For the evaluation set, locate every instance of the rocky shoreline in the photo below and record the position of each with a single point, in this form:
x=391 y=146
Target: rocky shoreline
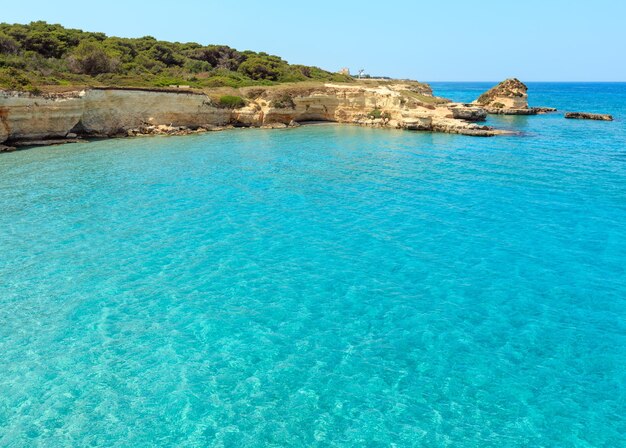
x=28 y=120
x=34 y=119
x=166 y=130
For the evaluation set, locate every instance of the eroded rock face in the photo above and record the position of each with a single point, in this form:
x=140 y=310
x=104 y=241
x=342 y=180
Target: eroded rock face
x=510 y=95
x=469 y=113
x=395 y=104
x=27 y=117
x=588 y=116
x=123 y=112
x=113 y=111
x=418 y=124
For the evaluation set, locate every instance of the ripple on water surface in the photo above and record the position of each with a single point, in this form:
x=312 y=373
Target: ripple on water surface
x=321 y=286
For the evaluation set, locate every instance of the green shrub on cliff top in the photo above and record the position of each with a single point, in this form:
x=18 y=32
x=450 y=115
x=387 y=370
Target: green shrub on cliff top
x=13 y=79
x=231 y=102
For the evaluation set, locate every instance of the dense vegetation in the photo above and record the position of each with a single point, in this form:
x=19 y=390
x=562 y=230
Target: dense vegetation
x=40 y=54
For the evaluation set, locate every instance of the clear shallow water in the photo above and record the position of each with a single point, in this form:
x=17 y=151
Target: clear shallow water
x=325 y=286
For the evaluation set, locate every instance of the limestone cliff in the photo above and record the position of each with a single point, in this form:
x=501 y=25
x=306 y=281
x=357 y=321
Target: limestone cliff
x=114 y=111
x=28 y=117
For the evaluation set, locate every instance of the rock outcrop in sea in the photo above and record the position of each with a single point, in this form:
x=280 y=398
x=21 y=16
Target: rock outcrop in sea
x=544 y=110
x=510 y=97
x=112 y=112
x=588 y=116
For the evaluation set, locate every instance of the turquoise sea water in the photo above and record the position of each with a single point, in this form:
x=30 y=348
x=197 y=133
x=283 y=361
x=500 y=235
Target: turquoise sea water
x=324 y=286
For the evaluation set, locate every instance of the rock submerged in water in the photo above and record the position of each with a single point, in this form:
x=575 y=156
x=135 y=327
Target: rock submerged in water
x=4 y=148
x=46 y=142
x=588 y=116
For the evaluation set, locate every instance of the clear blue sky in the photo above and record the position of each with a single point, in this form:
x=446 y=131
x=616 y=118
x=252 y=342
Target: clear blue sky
x=456 y=40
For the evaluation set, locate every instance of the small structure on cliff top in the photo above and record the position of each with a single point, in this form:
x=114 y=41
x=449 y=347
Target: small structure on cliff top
x=344 y=71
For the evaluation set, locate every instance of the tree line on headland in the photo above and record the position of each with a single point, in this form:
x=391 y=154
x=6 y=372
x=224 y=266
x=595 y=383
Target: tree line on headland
x=41 y=54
